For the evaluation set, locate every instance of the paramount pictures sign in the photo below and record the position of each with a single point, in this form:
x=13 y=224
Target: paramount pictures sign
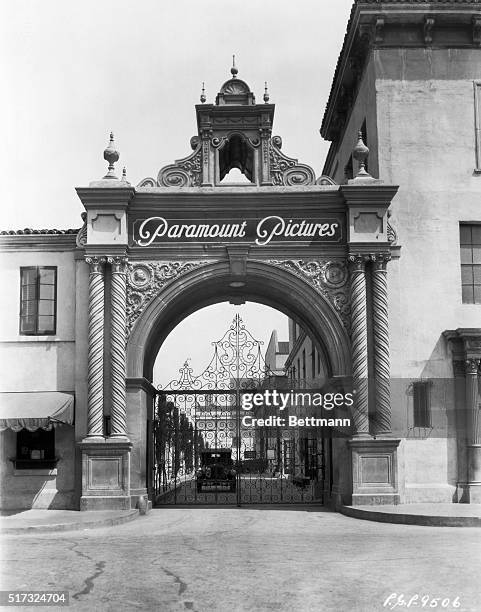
x=152 y=231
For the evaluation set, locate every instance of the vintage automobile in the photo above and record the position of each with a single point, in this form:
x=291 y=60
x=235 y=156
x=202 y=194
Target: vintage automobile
x=216 y=470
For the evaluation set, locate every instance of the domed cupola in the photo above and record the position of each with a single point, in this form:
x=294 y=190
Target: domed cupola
x=234 y=133
x=235 y=91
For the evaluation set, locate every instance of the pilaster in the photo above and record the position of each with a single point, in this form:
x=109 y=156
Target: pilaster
x=466 y=352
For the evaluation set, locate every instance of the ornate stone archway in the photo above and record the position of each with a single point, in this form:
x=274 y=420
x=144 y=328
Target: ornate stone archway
x=312 y=249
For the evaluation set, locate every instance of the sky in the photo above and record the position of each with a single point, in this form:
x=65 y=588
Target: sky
x=77 y=70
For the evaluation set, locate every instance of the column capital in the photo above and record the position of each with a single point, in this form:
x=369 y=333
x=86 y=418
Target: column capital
x=472 y=365
x=380 y=260
x=357 y=261
x=118 y=263
x=96 y=264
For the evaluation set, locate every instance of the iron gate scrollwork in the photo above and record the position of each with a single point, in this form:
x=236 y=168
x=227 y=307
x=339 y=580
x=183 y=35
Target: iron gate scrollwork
x=204 y=454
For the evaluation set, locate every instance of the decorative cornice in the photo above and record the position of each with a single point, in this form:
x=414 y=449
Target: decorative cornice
x=110 y=194
x=366 y=28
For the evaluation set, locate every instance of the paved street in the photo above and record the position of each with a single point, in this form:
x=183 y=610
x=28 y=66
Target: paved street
x=248 y=559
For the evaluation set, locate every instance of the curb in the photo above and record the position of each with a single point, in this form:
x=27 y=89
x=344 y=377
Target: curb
x=410 y=519
x=104 y=522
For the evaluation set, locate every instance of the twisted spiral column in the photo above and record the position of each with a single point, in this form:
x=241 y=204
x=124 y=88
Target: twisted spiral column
x=382 y=389
x=359 y=344
x=96 y=348
x=118 y=326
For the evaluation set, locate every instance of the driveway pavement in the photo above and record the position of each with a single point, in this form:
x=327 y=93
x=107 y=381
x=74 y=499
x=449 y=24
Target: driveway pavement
x=249 y=559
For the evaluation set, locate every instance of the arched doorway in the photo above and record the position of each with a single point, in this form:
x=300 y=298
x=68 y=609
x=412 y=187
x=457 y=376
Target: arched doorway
x=206 y=284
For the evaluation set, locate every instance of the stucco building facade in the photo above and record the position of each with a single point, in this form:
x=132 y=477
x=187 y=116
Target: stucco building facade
x=378 y=261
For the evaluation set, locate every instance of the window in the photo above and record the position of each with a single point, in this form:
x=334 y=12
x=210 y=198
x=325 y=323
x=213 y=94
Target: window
x=421 y=404
x=35 y=449
x=303 y=364
x=470 y=239
x=38 y=297
x=299 y=369
x=313 y=363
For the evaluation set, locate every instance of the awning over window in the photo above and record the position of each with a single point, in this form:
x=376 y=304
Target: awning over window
x=35 y=410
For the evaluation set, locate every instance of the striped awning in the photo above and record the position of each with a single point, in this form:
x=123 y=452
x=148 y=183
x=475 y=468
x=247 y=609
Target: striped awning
x=36 y=410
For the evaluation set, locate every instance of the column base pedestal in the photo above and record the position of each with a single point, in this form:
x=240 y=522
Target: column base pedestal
x=374 y=471
x=469 y=492
x=105 y=474
x=474 y=463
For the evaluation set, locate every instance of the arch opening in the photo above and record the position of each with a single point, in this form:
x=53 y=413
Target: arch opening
x=286 y=465
x=236 y=153
x=264 y=284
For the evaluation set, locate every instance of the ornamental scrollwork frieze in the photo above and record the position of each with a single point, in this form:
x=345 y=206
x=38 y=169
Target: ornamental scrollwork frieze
x=81 y=239
x=391 y=230
x=186 y=172
x=328 y=277
x=145 y=280
x=287 y=171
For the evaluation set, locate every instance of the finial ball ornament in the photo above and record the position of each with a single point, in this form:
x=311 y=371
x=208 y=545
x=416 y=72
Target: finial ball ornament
x=111 y=155
x=234 y=71
x=360 y=154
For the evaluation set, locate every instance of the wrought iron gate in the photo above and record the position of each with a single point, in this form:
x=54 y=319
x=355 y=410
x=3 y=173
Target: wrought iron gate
x=203 y=453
